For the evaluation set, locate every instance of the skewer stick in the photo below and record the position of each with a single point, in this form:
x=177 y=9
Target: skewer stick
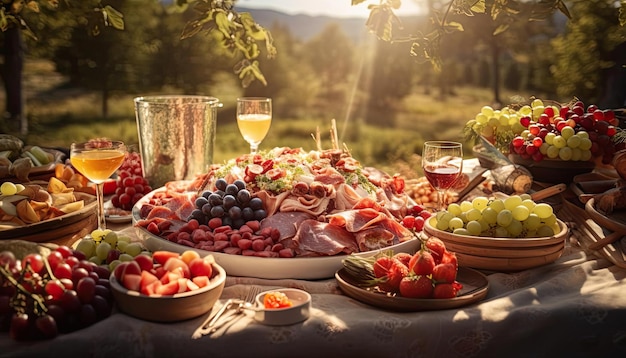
x=333 y=134
x=317 y=138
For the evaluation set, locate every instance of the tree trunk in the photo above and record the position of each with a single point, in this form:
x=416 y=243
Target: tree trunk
x=496 y=74
x=11 y=73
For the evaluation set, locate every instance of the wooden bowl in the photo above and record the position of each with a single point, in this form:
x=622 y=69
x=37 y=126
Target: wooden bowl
x=178 y=307
x=62 y=230
x=553 y=171
x=502 y=254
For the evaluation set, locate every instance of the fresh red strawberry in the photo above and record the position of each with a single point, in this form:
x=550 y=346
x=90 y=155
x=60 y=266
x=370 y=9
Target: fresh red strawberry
x=422 y=263
x=393 y=270
x=418 y=286
x=436 y=247
x=450 y=257
x=444 y=273
x=447 y=290
x=403 y=257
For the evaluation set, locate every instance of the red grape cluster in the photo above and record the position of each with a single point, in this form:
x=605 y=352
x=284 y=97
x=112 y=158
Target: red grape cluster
x=131 y=184
x=548 y=135
x=41 y=297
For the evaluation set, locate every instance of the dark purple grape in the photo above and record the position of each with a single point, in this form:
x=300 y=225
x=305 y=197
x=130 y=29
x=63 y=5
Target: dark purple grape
x=240 y=184
x=87 y=315
x=260 y=214
x=217 y=211
x=221 y=184
x=69 y=301
x=216 y=199
x=47 y=326
x=206 y=194
x=231 y=189
x=198 y=215
x=206 y=209
x=86 y=289
x=58 y=314
x=256 y=203
x=229 y=201
x=243 y=196
x=247 y=214
x=104 y=292
x=19 y=327
x=200 y=201
x=235 y=212
x=102 y=306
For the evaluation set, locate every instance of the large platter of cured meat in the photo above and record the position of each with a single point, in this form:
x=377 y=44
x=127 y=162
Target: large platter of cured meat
x=283 y=213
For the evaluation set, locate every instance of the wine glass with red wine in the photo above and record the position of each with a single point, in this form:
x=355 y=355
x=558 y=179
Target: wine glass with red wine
x=442 y=162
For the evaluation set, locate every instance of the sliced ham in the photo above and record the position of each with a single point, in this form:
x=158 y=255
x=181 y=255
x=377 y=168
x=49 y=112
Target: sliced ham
x=356 y=219
x=287 y=223
x=316 y=238
x=374 y=238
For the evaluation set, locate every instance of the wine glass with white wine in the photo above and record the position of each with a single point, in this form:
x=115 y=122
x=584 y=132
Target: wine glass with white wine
x=97 y=160
x=254 y=117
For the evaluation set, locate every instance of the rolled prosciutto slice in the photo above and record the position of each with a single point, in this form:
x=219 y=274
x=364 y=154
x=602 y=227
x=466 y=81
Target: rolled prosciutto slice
x=374 y=238
x=317 y=238
x=286 y=222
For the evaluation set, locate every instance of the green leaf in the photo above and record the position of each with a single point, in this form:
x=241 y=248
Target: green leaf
x=380 y=22
x=113 y=17
x=356 y=2
x=500 y=29
x=453 y=26
x=479 y=7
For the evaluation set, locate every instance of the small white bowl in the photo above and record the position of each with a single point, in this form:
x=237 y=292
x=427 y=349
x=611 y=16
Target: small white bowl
x=298 y=312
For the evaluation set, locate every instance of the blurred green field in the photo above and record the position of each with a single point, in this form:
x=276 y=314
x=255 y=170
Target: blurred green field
x=59 y=116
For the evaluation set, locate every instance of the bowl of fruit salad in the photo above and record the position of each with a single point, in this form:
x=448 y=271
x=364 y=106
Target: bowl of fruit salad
x=167 y=286
x=510 y=234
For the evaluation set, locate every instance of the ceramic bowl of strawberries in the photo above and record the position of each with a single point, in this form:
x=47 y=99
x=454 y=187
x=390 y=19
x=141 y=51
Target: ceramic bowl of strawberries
x=167 y=286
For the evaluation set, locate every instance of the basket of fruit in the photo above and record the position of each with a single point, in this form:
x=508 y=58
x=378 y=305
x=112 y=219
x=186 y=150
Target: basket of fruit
x=510 y=234
x=553 y=141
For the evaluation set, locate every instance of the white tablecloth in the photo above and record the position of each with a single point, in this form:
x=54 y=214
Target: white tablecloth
x=573 y=307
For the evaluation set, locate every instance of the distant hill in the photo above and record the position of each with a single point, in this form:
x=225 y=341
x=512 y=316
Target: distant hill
x=305 y=27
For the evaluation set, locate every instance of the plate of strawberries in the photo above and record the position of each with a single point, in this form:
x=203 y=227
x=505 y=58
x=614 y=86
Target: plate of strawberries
x=429 y=279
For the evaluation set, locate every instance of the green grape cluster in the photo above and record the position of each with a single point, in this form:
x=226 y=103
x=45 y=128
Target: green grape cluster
x=107 y=247
x=516 y=216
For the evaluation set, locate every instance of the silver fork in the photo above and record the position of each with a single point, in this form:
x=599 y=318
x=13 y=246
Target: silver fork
x=210 y=324
x=246 y=303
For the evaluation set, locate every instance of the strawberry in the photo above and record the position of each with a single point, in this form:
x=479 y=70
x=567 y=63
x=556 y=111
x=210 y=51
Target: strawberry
x=404 y=257
x=450 y=257
x=436 y=247
x=422 y=263
x=419 y=286
x=391 y=269
x=444 y=273
x=447 y=290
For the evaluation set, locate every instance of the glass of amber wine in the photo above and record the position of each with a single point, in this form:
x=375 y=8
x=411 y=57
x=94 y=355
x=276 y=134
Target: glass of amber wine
x=97 y=160
x=254 y=117
x=442 y=162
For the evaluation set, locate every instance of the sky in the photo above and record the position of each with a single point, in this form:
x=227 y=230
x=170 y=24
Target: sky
x=337 y=8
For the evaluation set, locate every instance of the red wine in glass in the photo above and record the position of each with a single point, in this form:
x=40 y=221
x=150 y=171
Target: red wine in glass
x=442 y=177
x=442 y=162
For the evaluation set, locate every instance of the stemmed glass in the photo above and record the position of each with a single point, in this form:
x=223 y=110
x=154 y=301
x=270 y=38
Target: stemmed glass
x=442 y=162
x=254 y=117
x=97 y=160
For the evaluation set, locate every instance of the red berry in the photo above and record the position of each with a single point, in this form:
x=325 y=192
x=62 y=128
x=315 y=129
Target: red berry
x=416 y=287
